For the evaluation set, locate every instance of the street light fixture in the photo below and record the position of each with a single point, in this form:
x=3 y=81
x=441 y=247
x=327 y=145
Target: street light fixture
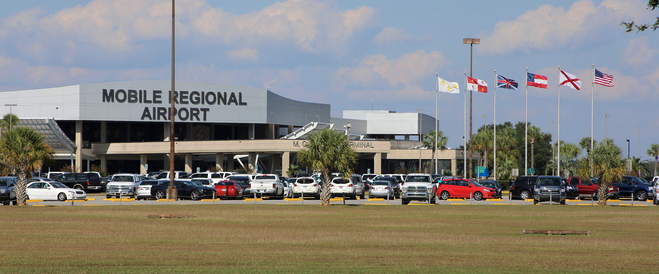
x=420 y=135
x=471 y=42
x=605 y=116
x=11 y=114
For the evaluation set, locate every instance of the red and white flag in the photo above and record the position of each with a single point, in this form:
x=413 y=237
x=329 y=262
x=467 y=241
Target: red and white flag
x=570 y=80
x=476 y=85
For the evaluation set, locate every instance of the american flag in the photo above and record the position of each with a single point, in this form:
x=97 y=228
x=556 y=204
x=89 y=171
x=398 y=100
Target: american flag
x=603 y=79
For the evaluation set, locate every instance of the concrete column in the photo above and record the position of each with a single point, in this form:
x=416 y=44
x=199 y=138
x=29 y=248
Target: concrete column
x=104 y=132
x=230 y=162
x=104 y=161
x=285 y=163
x=377 y=163
x=276 y=132
x=143 y=169
x=219 y=161
x=78 y=162
x=251 y=159
x=188 y=162
x=454 y=167
x=290 y=129
x=271 y=132
x=251 y=129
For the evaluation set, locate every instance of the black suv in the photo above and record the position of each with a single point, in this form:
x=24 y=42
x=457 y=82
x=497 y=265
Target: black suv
x=7 y=193
x=522 y=187
x=82 y=181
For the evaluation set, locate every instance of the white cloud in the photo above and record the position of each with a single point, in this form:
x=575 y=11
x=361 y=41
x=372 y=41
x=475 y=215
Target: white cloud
x=638 y=52
x=245 y=54
x=399 y=78
x=551 y=28
x=394 y=35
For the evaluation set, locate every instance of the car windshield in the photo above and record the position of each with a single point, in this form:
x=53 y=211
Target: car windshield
x=265 y=177
x=638 y=181
x=549 y=182
x=340 y=181
x=488 y=184
x=122 y=178
x=199 y=175
x=380 y=183
x=305 y=181
x=3 y=182
x=204 y=182
x=369 y=176
x=149 y=183
x=58 y=185
x=418 y=178
x=474 y=183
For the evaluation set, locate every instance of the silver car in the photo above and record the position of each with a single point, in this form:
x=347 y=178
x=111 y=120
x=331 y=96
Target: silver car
x=143 y=190
x=381 y=188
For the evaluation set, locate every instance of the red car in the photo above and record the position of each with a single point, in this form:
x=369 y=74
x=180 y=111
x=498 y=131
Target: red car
x=589 y=188
x=463 y=188
x=229 y=188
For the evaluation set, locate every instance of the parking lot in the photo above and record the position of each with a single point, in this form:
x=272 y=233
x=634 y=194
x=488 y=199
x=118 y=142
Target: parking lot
x=99 y=199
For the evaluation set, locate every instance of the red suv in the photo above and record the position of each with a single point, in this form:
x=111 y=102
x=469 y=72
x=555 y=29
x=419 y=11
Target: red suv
x=463 y=188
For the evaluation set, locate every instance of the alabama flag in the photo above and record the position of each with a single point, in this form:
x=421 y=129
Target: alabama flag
x=476 y=85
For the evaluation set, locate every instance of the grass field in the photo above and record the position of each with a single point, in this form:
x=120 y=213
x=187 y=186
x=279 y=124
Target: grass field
x=336 y=239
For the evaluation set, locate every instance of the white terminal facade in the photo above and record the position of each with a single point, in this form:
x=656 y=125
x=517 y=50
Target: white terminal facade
x=125 y=127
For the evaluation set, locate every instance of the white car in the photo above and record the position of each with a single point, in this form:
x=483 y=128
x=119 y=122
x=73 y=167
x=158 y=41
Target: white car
x=287 y=189
x=143 y=189
x=342 y=186
x=306 y=186
x=215 y=176
x=53 y=191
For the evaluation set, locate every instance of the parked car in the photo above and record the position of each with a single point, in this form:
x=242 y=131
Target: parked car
x=229 y=188
x=612 y=192
x=368 y=179
x=571 y=192
x=463 y=188
x=492 y=184
x=288 y=192
x=549 y=188
x=630 y=185
x=83 y=181
x=522 y=187
x=215 y=176
x=185 y=189
x=54 y=191
x=204 y=182
x=340 y=187
x=143 y=189
x=418 y=187
x=178 y=175
x=395 y=185
x=360 y=187
x=7 y=190
x=122 y=185
x=306 y=186
x=381 y=188
x=244 y=182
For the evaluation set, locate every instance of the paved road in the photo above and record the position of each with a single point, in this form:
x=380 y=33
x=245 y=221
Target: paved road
x=99 y=199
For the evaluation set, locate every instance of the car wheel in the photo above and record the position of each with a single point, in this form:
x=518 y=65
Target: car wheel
x=535 y=202
x=61 y=197
x=445 y=195
x=405 y=202
x=641 y=195
x=194 y=195
x=562 y=202
x=525 y=194
x=160 y=195
x=478 y=196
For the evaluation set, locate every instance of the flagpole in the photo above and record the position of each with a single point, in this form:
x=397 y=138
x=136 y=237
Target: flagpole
x=592 y=115
x=526 y=130
x=464 y=137
x=559 y=124
x=436 y=118
x=495 y=126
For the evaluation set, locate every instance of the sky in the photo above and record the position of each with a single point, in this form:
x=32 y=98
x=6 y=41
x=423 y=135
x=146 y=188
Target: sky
x=359 y=54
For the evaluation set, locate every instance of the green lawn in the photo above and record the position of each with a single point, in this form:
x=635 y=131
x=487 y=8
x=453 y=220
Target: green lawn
x=337 y=239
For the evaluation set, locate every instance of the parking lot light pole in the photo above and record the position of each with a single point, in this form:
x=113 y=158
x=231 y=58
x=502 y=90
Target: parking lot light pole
x=605 y=124
x=420 y=135
x=173 y=193
x=471 y=42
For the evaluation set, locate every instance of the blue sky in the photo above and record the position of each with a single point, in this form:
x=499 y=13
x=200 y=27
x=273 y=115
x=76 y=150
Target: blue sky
x=351 y=53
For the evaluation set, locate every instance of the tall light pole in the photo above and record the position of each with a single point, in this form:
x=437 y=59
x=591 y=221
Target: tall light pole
x=628 y=146
x=11 y=114
x=605 y=117
x=552 y=143
x=173 y=193
x=471 y=42
x=420 y=134
x=639 y=144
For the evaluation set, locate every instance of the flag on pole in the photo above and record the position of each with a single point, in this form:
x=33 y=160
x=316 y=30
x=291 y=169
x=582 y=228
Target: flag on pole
x=503 y=82
x=603 y=79
x=448 y=87
x=476 y=85
x=570 y=80
x=536 y=80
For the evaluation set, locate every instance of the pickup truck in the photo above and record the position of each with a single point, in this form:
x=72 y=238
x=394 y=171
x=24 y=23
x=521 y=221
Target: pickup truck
x=267 y=185
x=417 y=187
x=122 y=185
x=81 y=181
x=631 y=186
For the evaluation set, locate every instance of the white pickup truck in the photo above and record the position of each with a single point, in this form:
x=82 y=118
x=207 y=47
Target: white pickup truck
x=122 y=185
x=267 y=185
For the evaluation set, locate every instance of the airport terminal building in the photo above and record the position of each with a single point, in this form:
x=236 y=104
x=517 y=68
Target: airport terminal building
x=125 y=127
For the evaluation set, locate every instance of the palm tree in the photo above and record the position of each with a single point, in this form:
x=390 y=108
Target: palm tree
x=534 y=134
x=24 y=150
x=607 y=165
x=328 y=150
x=293 y=170
x=9 y=121
x=569 y=154
x=639 y=167
x=654 y=152
x=483 y=142
x=585 y=144
x=429 y=142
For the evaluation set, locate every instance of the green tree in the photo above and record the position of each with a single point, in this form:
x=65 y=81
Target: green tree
x=607 y=165
x=429 y=142
x=9 y=121
x=629 y=26
x=639 y=167
x=293 y=170
x=654 y=152
x=24 y=150
x=482 y=143
x=328 y=150
x=507 y=151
